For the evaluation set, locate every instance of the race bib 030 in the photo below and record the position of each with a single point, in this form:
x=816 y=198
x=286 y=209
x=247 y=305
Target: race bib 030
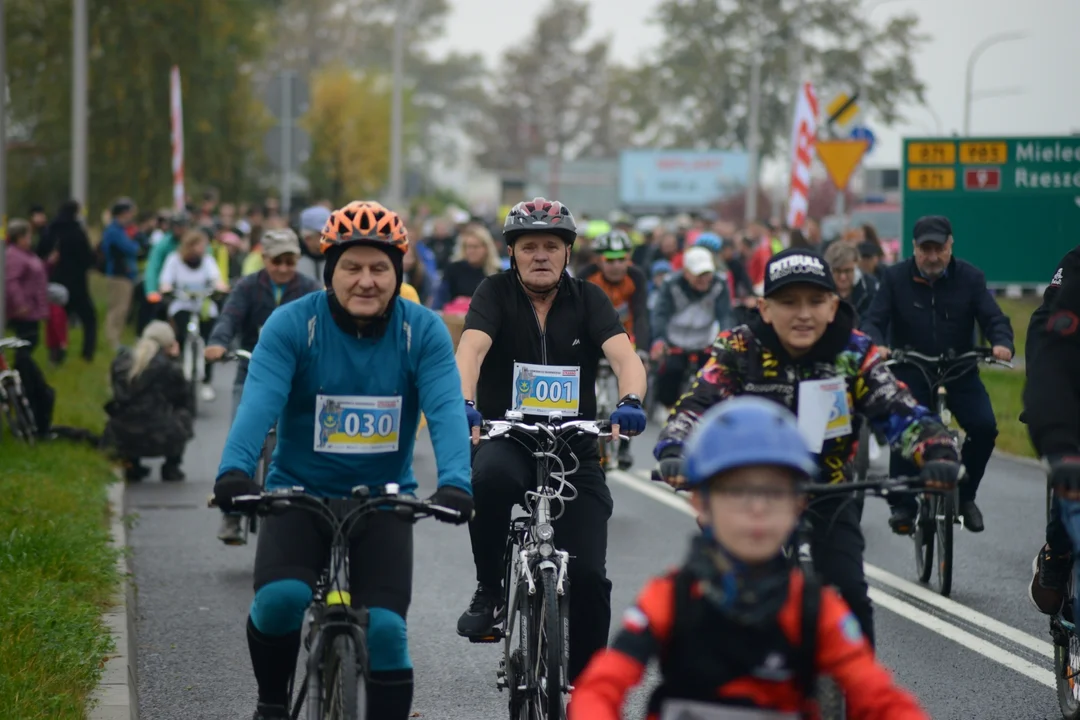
x=356 y=424
x=546 y=389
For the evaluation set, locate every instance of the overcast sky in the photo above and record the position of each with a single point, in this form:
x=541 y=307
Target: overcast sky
x=1044 y=64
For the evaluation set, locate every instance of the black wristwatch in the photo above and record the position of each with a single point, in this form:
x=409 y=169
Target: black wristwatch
x=630 y=399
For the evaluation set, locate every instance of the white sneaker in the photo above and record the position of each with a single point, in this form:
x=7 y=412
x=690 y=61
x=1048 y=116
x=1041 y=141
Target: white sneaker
x=207 y=393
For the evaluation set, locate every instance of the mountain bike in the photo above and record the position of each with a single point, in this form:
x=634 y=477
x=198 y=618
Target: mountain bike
x=13 y=400
x=262 y=467
x=1066 y=641
x=829 y=697
x=336 y=671
x=192 y=359
x=937 y=515
x=534 y=622
x=607 y=396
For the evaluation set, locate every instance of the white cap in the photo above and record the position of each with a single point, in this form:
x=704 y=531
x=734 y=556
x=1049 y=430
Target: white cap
x=698 y=260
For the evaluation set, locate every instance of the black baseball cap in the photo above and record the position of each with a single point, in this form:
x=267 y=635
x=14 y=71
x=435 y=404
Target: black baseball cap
x=932 y=228
x=869 y=249
x=797 y=265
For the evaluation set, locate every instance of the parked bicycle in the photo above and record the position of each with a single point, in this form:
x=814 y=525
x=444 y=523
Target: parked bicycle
x=534 y=621
x=336 y=672
x=937 y=514
x=13 y=400
x=262 y=467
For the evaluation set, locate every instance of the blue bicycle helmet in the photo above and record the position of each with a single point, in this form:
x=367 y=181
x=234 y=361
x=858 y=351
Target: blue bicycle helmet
x=745 y=431
x=709 y=240
x=660 y=266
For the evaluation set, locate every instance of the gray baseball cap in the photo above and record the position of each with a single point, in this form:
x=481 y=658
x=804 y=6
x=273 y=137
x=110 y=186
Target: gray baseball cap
x=279 y=242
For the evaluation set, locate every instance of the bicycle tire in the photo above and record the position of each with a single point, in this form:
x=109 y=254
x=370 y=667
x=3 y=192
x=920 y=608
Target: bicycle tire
x=923 y=537
x=552 y=649
x=338 y=688
x=189 y=365
x=945 y=522
x=25 y=417
x=830 y=700
x=516 y=659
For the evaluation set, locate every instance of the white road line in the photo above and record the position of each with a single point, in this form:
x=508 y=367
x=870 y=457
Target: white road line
x=640 y=483
x=977 y=644
x=961 y=611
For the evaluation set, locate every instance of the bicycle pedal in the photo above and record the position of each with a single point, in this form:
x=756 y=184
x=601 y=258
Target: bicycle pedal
x=492 y=637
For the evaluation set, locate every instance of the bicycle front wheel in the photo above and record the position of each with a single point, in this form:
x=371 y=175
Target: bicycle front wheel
x=923 y=536
x=945 y=522
x=339 y=686
x=551 y=655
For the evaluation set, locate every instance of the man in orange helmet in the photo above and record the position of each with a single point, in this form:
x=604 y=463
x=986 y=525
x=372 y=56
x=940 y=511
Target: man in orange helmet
x=358 y=356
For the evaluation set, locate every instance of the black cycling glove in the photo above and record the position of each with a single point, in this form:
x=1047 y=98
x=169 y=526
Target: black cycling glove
x=231 y=485
x=454 y=498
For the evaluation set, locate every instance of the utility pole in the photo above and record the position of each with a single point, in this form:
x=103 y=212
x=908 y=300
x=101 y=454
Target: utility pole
x=286 y=119
x=79 y=104
x=754 y=121
x=3 y=160
x=396 y=191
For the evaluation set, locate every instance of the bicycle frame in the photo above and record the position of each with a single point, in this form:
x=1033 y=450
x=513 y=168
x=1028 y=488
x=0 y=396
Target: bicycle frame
x=530 y=547
x=13 y=401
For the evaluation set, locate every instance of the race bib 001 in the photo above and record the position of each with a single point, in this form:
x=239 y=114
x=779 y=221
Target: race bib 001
x=546 y=389
x=356 y=424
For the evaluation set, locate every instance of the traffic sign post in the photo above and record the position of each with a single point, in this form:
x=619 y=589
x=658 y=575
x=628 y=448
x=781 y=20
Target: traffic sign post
x=1014 y=203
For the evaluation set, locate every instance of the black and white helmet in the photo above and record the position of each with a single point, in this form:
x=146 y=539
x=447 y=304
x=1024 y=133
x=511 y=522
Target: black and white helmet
x=613 y=242
x=540 y=216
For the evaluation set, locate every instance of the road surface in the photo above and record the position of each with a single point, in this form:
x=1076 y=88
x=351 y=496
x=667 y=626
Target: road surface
x=983 y=654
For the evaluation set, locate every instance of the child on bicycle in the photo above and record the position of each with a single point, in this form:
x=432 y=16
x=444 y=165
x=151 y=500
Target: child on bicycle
x=731 y=626
x=190 y=269
x=804 y=353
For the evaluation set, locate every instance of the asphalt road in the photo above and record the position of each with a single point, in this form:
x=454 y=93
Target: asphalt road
x=983 y=654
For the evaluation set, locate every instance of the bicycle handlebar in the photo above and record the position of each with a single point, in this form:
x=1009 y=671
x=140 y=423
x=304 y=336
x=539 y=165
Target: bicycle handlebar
x=493 y=429
x=948 y=359
x=882 y=488
x=235 y=355
x=277 y=501
x=12 y=343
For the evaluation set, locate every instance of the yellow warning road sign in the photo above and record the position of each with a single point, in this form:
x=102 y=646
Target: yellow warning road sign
x=840 y=158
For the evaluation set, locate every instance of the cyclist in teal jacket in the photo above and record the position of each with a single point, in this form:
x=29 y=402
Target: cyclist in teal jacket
x=345 y=374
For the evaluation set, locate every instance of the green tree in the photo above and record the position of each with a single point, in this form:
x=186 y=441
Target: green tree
x=694 y=90
x=132 y=46
x=349 y=134
x=549 y=96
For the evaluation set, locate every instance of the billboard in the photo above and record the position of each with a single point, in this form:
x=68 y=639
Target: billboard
x=680 y=178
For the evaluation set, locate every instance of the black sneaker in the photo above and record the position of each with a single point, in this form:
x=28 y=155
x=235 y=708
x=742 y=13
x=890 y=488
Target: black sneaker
x=172 y=473
x=1049 y=575
x=136 y=472
x=902 y=520
x=265 y=711
x=482 y=614
x=973 y=519
x=626 y=460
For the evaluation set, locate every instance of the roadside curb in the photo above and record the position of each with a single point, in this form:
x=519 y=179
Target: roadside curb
x=1020 y=459
x=117 y=694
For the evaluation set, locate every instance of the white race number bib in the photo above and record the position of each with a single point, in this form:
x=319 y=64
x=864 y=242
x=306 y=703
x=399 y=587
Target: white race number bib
x=357 y=424
x=546 y=389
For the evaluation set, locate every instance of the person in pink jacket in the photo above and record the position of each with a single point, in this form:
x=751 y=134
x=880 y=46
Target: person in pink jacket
x=26 y=299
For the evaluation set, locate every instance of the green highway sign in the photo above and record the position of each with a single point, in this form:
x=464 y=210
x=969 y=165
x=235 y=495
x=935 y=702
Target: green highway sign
x=1014 y=203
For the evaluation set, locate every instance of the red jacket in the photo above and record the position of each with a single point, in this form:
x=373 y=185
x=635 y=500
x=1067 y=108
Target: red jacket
x=842 y=653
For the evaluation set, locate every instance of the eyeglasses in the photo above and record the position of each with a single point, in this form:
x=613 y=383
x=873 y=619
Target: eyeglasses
x=844 y=271
x=749 y=495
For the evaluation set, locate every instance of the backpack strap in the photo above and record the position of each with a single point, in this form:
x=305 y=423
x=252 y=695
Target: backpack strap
x=806 y=667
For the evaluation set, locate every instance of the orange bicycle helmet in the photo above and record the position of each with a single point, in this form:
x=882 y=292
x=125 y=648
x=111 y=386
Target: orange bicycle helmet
x=364 y=221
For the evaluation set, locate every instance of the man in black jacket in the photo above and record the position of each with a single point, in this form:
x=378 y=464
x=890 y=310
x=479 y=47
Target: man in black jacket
x=1052 y=413
x=248 y=308
x=930 y=303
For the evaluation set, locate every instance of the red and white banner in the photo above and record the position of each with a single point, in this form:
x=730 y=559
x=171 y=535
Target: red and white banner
x=802 y=155
x=177 y=121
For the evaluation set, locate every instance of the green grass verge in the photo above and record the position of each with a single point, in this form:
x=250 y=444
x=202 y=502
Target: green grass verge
x=1006 y=388
x=1019 y=311
x=57 y=571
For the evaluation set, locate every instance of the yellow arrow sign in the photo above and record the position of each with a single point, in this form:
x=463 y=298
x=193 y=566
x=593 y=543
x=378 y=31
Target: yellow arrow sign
x=840 y=158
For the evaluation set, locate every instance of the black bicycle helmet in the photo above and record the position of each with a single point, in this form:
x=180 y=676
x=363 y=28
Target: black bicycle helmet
x=540 y=216
x=613 y=243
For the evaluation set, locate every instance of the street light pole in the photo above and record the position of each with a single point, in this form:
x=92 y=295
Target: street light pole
x=969 y=78
x=405 y=11
x=79 y=109
x=754 y=122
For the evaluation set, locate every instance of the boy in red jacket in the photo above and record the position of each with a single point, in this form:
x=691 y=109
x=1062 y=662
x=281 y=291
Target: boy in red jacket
x=727 y=627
